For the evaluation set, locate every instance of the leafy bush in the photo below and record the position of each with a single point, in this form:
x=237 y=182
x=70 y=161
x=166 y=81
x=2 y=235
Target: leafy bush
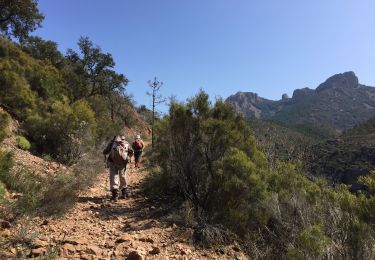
x=66 y=133
x=311 y=243
x=23 y=143
x=211 y=153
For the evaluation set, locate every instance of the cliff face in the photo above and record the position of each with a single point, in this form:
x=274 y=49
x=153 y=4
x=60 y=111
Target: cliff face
x=337 y=104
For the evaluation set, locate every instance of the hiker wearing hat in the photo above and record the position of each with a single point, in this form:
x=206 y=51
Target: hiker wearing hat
x=138 y=149
x=117 y=161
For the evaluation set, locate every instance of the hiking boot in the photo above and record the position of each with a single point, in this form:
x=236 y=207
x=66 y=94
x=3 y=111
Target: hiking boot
x=114 y=195
x=125 y=193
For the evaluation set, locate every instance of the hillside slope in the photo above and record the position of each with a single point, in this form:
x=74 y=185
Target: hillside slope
x=338 y=104
x=279 y=142
x=347 y=157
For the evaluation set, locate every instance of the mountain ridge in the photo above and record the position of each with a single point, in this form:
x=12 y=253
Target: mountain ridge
x=338 y=104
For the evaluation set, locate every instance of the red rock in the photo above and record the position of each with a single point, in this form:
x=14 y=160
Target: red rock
x=76 y=241
x=37 y=251
x=69 y=248
x=39 y=243
x=94 y=250
x=110 y=244
x=123 y=238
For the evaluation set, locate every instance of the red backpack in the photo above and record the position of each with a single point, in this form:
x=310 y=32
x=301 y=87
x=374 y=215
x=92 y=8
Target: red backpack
x=138 y=144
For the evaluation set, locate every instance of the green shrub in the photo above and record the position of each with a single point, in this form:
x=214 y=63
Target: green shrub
x=23 y=143
x=210 y=152
x=311 y=244
x=6 y=163
x=66 y=133
x=2 y=192
x=60 y=193
x=29 y=186
x=4 y=122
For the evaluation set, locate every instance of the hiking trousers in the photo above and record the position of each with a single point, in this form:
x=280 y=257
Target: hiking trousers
x=137 y=157
x=117 y=177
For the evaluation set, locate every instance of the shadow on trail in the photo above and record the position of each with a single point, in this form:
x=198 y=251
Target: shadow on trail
x=96 y=200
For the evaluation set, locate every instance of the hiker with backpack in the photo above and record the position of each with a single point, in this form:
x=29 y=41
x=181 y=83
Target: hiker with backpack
x=138 y=149
x=118 y=151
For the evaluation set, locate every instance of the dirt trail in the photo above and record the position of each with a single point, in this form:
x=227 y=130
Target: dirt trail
x=132 y=228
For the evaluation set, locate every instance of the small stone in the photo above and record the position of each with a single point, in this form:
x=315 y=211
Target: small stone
x=37 y=251
x=134 y=255
x=69 y=248
x=155 y=251
x=123 y=238
x=110 y=243
x=39 y=243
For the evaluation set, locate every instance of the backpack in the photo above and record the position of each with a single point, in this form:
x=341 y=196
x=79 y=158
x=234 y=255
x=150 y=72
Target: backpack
x=119 y=155
x=138 y=144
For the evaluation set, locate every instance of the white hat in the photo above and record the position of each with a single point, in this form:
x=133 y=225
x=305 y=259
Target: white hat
x=118 y=139
x=138 y=137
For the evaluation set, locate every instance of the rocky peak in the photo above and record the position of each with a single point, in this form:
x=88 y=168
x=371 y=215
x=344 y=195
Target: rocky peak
x=343 y=80
x=284 y=97
x=299 y=94
x=253 y=97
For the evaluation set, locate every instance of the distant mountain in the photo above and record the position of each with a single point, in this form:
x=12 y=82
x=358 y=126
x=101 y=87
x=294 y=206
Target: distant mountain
x=338 y=104
x=345 y=158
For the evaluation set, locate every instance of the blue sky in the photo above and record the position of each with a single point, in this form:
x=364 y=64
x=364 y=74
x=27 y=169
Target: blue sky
x=267 y=47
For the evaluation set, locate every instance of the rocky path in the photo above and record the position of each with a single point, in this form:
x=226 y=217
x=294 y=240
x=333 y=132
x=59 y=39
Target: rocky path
x=132 y=228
